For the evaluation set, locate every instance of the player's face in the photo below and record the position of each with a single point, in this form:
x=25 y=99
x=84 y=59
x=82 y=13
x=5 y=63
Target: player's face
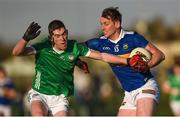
x=109 y=28
x=60 y=38
x=2 y=75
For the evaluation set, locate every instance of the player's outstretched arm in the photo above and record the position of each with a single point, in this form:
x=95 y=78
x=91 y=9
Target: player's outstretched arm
x=135 y=62
x=107 y=57
x=31 y=33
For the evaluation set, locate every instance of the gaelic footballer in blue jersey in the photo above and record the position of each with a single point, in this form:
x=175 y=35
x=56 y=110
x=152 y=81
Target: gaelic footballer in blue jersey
x=7 y=93
x=140 y=89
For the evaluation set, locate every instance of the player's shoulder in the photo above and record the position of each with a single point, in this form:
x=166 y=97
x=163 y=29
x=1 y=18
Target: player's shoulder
x=8 y=81
x=102 y=37
x=132 y=35
x=124 y=33
x=72 y=43
x=129 y=33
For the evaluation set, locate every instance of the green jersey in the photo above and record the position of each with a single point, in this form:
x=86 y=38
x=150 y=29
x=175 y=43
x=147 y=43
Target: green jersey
x=54 y=71
x=174 y=82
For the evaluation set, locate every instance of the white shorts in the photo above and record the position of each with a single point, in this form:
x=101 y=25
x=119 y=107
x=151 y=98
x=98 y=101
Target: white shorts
x=53 y=103
x=5 y=110
x=175 y=106
x=148 y=90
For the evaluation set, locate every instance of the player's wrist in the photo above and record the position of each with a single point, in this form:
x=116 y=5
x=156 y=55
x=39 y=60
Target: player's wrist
x=26 y=37
x=128 y=61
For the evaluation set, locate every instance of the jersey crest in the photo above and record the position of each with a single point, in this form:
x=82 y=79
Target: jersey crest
x=125 y=46
x=71 y=57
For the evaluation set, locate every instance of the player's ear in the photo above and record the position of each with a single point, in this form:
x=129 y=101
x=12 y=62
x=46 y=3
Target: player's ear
x=117 y=24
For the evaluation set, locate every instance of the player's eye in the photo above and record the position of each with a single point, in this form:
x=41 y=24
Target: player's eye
x=106 y=23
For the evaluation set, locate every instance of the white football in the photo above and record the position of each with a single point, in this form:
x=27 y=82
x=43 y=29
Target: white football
x=146 y=55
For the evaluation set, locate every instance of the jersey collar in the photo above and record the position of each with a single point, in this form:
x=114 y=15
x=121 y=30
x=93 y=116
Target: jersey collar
x=58 y=51
x=121 y=35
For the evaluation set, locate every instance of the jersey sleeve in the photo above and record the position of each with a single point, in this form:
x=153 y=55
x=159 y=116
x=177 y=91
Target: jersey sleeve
x=40 y=45
x=93 y=44
x=140 y=41
x=83 y=50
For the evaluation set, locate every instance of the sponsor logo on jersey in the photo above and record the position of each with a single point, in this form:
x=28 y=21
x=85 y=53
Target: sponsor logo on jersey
x=106 y=48
x=125 y=46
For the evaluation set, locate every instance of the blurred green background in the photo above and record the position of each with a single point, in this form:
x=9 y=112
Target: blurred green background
x=97 y=93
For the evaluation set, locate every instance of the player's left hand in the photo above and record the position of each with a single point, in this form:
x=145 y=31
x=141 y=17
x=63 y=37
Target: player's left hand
x=138 y=64
x=83 y=65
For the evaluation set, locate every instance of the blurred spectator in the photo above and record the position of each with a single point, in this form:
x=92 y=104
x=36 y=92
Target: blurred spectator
x=7 y=93
x=172 y=86
x=83 y=92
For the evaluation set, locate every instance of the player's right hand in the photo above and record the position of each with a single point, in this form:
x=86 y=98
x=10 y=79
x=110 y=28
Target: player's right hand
x=83 y=65
x=32 y=31
x=137 y=63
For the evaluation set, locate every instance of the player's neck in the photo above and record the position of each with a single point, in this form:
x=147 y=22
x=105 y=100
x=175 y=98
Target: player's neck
x=115 y=35
x=59 y=51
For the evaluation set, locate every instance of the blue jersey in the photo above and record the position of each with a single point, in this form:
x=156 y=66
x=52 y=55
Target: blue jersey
x=7 y=84
x=122 y=47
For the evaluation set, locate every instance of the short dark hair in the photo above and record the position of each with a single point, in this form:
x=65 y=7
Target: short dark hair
x=113 y=13
x=55 y=24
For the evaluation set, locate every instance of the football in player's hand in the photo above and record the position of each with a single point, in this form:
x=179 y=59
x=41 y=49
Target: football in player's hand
x=138 y=60
x=145 y=54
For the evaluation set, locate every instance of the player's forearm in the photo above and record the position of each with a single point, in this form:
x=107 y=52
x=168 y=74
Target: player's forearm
x=157 y=55
x=157 y=58
x=19 y=48
x=113 y=59
x=109 y=58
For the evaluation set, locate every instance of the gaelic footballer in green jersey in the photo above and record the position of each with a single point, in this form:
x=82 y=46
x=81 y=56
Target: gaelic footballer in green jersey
x=54 y=69
x=55 y=61
x=172 y=86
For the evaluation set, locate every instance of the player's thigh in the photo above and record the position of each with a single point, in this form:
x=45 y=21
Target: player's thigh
x=127 y=112
x=38 y=108
x=146 y=106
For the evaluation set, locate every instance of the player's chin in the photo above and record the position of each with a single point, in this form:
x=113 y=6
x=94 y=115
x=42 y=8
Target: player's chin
x=106 y=35
x=64 y=46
